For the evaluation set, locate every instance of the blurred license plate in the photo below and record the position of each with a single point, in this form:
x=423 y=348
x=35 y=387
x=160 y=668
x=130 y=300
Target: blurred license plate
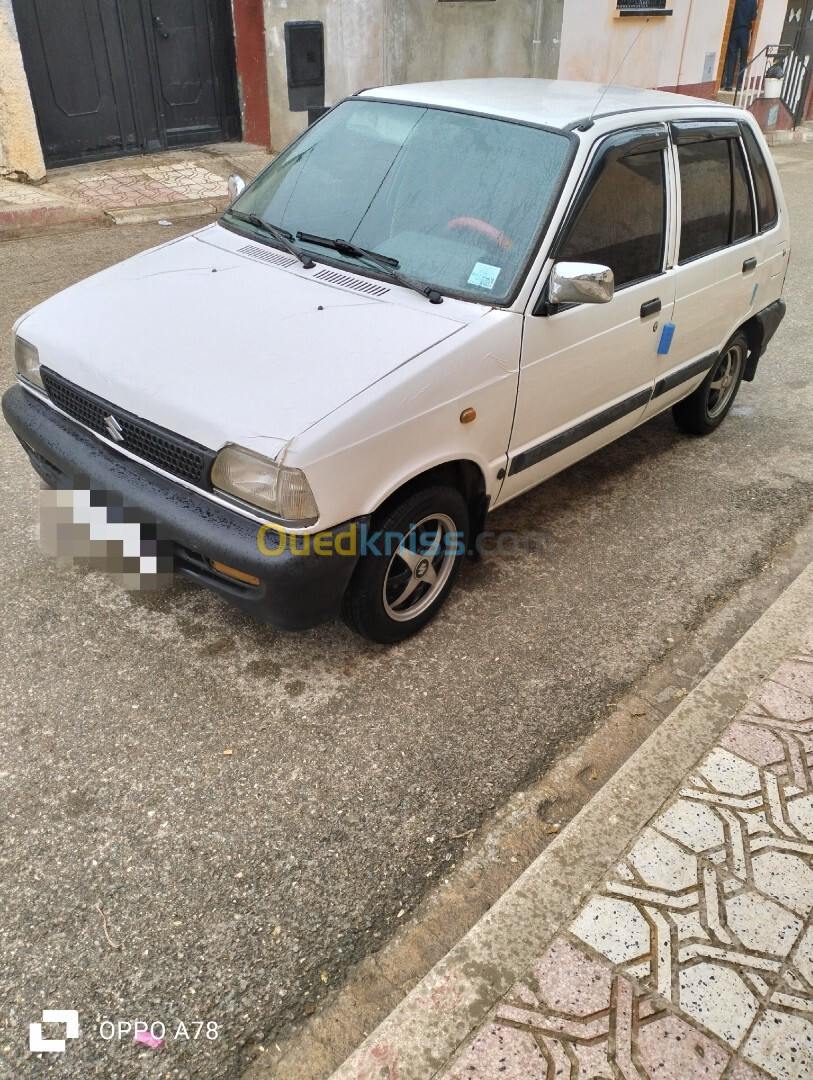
x=96 y=528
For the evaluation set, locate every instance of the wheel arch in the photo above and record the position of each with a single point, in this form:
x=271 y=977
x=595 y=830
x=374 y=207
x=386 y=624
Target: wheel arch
x=462 y=473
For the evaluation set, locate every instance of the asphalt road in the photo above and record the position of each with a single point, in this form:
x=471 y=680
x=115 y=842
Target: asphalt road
x=234 y=885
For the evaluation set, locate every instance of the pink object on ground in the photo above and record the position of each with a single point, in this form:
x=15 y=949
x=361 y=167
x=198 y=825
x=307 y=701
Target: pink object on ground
x=148 y=1039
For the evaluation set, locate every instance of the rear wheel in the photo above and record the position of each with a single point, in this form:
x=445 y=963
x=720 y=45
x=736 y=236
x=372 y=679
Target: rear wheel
x=705 y=409
x=422 y=541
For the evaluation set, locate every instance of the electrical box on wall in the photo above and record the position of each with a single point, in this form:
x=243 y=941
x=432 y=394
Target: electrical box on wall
x=305 y=64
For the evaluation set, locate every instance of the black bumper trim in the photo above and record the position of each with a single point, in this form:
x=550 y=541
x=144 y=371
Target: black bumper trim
x=297 y=591
x=761 y=329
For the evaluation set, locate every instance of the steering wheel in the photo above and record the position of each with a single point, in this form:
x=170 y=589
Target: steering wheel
x=477 y=225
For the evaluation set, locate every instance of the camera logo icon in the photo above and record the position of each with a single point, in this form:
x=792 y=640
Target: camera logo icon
x=38 y=1045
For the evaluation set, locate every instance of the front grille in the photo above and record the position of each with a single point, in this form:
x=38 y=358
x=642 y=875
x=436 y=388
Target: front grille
x=175 y=455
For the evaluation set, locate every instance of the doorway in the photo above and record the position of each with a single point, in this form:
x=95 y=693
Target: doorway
x=113 y=77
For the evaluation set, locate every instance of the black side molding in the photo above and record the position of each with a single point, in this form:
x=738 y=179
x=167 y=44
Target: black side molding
x=582 y=430
x=683 y=374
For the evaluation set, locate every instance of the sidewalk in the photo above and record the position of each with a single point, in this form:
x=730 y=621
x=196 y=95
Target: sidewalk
x=128 y=190
x=667 y=932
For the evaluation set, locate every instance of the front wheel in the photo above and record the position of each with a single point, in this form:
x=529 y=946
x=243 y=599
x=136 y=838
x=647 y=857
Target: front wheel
x=705 y=409
x=416 y=552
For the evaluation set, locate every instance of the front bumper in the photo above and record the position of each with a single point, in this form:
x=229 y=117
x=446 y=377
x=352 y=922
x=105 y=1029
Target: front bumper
x=297 y=590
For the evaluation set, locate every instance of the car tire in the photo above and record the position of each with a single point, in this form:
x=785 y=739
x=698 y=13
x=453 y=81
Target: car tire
x=396 y=592
x=706 y=407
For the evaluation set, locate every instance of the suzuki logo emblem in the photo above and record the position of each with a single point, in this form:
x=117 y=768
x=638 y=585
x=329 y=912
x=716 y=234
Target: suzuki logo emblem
x=114 y=428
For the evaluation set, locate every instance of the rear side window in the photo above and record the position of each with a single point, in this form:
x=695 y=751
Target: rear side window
x=766 y=199
x=622 y=223
x=715 y=197
x=743 y=221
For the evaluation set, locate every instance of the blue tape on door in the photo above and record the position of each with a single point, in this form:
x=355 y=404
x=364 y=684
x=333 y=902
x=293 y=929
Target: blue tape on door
x=666 y=339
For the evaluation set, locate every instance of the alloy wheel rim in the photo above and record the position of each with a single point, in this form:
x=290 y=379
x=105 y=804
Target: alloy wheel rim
x=419 y=568
x=723 y=385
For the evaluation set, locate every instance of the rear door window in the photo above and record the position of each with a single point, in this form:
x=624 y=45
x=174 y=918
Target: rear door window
x=717 y=207
x=705 y=185
x=766 y=199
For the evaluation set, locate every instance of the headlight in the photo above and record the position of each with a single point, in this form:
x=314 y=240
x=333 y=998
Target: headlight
x=283 y=492
x=27 y=360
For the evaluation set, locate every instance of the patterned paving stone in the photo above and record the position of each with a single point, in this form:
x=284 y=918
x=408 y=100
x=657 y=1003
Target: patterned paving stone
x=615 y=928
x=797 y=675
x=694 y=958
x=574 y=1018
x=505 y=1052
x=146 y=186
x=15 y=194
x=669 y=1047
x=782 y=1044
x=741 y=1070
x=719 y=999
x=783 y=703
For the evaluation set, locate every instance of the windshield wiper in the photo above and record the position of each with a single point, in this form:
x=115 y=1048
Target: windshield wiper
x=282 y=236
x=383 y=262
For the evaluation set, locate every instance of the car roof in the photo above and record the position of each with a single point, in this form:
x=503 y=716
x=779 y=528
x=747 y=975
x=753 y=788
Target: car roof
x=551 y=102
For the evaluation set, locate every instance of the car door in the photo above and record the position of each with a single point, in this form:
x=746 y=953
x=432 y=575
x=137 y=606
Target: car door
x=587 y=371
x=723 y=265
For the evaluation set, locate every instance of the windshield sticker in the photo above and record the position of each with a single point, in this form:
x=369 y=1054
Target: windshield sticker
x=484 y=275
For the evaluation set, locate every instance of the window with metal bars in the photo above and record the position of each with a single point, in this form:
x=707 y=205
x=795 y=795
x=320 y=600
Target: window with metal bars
x=641 y=7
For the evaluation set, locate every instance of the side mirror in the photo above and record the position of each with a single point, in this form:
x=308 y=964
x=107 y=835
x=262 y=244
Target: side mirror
x=581 y=283
x=237 y=186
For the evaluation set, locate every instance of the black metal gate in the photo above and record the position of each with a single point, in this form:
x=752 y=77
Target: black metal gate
x=112 y=77
x=798 y=30
x=798 y=35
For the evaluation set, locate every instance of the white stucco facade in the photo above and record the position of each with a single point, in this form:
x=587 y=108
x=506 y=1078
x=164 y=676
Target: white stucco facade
x=771 y=23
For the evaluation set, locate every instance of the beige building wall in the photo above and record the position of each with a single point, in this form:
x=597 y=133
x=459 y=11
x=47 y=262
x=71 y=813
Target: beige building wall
x=679 y=51
x=353 y=54
x=20 y=152
x=771 y=24
x=428 y=40
x=383 y=42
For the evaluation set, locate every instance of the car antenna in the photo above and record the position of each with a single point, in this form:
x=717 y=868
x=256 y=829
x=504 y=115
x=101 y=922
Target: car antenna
x=585 y=125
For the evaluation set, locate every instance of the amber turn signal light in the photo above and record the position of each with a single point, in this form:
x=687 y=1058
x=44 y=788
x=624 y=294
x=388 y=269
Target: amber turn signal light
x=238 y=575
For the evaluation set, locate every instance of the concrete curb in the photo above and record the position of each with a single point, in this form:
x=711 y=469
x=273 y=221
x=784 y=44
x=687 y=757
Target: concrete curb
x=16 y=222
x=423 y=1032
x=140 y=215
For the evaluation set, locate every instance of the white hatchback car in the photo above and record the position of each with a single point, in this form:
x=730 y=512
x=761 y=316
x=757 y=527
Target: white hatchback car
x=437 y=297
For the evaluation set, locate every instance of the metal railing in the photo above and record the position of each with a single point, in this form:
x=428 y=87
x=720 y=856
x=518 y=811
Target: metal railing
x=792 y=69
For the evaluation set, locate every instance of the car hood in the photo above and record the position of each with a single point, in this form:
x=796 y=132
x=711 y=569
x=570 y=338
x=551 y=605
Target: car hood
x=206 y=337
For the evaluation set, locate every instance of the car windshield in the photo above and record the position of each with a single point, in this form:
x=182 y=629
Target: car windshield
x=458 y=200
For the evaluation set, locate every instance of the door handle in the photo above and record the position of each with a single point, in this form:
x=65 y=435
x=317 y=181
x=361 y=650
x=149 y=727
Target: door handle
x=652 y=307
x=162 y=30
x=749 y=265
